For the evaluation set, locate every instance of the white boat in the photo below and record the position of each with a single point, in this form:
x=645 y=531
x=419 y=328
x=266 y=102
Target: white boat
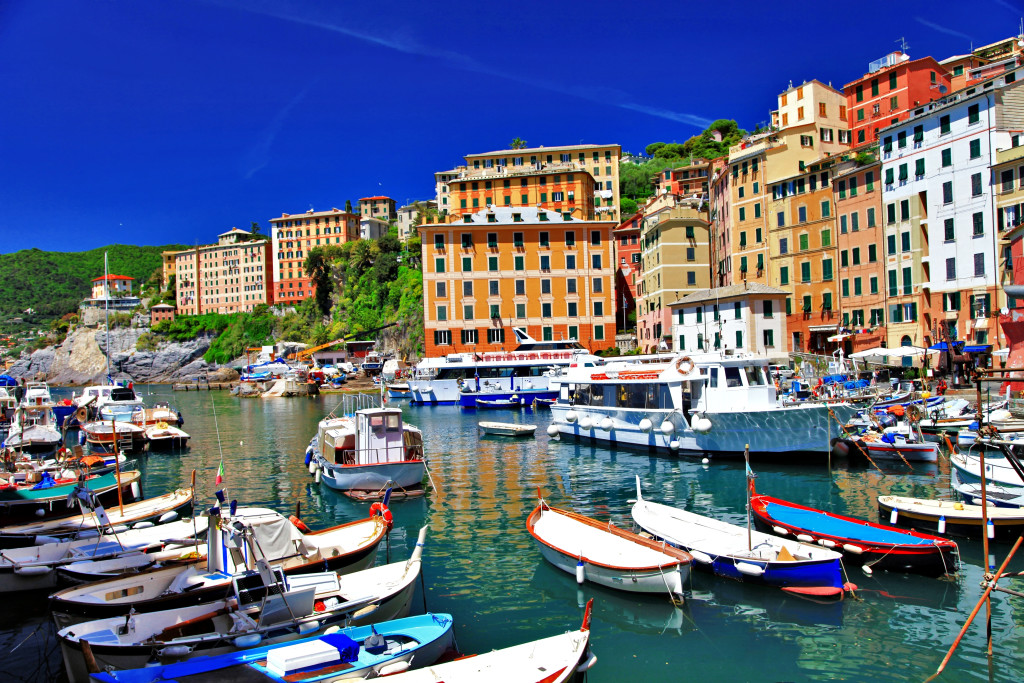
x=131 y=438
x=506 y=428
x=372 y=363
x=998 y=470
x=123 y=405
x=705 y=403
x=894 y=443
x=165 y=437
x=527 y=371
x=36 y=394
x=733 y=552
x=367 y=451
x=266 y=608
x=607 y=555
x=556 y=659
x=995 y=494
x=34 y=430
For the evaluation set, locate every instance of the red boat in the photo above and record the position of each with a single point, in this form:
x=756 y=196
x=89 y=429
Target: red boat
x=876 y=546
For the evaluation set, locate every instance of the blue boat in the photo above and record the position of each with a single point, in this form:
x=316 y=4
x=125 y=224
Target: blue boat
x=743 y=554
x=359 y=652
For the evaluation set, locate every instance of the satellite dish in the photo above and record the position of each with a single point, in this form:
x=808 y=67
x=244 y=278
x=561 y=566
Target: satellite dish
x=1004 y=310
x=1020 y=43
x=943 y=89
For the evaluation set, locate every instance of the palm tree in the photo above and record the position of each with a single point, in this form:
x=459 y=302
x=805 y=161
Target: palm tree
x=518 y=143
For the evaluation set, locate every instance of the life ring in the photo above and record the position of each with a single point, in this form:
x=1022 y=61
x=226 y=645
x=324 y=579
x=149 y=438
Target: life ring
x=913 y=413
x=687 y=362
x=161 y=425
x=299 y=524
x=382 y=510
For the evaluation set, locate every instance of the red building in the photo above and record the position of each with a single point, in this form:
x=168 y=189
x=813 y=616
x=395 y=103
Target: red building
x=1012 y=322
x=884 y=96
x=627 y=247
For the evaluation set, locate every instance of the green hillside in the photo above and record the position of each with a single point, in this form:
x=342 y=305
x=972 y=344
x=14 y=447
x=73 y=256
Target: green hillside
x=54 y=282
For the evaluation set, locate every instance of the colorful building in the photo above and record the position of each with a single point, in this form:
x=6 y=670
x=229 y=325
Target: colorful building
x=857 y=197
x=685 y=181
x=160 y=313
x=293 y=235
x=168 y=267
x=893 y=86
x=601 y=162
x=112 y=286
x=234 y=275
x=380 y=207
x=548 y=188
x=407 y=217
x=627 y=241
x=541 y=270
x=745 y=317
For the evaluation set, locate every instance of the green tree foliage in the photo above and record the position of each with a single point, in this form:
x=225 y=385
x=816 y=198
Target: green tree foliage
x=348 y=206
x=628 y=206
x=318 y=267
x=54 y=283
x=518 y=143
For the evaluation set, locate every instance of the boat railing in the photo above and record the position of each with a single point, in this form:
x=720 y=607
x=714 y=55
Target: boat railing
x=371 y=456
x=350 y=403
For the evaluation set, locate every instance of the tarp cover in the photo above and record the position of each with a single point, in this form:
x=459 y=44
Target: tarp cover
x=817 y=521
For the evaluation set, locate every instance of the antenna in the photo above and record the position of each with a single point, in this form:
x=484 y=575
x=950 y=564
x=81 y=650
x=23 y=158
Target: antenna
x=903 y=44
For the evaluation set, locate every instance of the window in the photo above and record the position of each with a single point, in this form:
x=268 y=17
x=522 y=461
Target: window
x=743 y=264
x=842 y=224
x=691 y=254
x=780 y=218
x=873 y=281
x=919 y=167
x=442 y=313
x=951 y=269
x=889 y=176
x=979 y=223
x=467 y=264
x=826 y=269
x=543 y=239
x=598 y=309
x=467 y=312
x=545 y=310
x=520 y=287
x=803 y=241
x=570 y=238
x=595 y=261
x=545 y=286
x=467 y=288
x=469 y=336
x=595 y=238
x=743 y=214
x=890 y=213
x=467 y=240
x=784 y=275
x=440 y=289
x=598 y=285
x=905 y=241
x=904 y=174
x=844 y=259
x=570 y=261
x=975 y=147
x=801 y=214
x=890 y=244
x=826 y=237
x=894 y=104
x=807 y=303
x=492 y=264
x=545 y=262
x=872 y=253
x=908 y=282
x=947 y=157
x=944 y=125
x=570 y=285
x=492 y=240
x=496 y=336
x=825 y=209
x=521 y=311
x=901 y=139
x=439 y=265
x=976 y=185
x=947 y=192
x=492 y=288
x=973 y=114
x=893 y=287
x=519 y=263
x=857 y=290
x=905 y=210
x=757 y=209
x=805 y=271
x=571 y=309
x=517 y=239
x=846 y=288
x=442 y=337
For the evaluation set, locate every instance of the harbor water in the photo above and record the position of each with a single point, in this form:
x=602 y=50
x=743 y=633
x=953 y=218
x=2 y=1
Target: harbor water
x=482 y=566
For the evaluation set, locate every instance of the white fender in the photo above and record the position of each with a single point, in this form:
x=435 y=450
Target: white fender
x=393 y=668
x=750 y=569
x=143 y=525
x=942 y=524
x=702 y=425
x=646 y=425
x=667 y=427
x=316 y=476
x=175 y=651
x=806 y=538
x=308 y=627
x=35 y=570
x=674 y=445
x=250 y=640
x=571 y=416
x=581 y=572
x=552 y=430
x=168 y=517
x=855 y=549
x=591 y=661
x=136 y=491
x=312 y=467
x=893 y=516
x=606 y=424
x=586 y=423
x=780 y=531
x=826 y=542
x=701 y=557
x=867 y=570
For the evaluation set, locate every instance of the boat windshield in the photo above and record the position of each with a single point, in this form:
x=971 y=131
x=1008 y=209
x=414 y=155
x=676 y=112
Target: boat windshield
x=754 y=376
x=643 y=396
x=732 y=377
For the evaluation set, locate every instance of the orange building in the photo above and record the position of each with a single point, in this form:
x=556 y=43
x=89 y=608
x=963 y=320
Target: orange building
x=381 y=208
x=893 y=86
x=857 y=195
x=293 y=235
x=545 y=271
x=691 y=179
x=160 y=313
x=236 y=274
x=561 y=192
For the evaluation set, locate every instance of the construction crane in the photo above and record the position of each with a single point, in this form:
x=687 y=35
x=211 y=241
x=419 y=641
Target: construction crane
x=319 y=347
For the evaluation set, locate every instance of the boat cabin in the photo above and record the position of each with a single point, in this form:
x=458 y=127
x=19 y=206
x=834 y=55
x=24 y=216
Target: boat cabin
x=370 y=436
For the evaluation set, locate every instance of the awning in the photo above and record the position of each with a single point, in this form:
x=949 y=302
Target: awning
x=981 y=324
x=902 y=351
x=868 y=353
x=977 y=348
x=1001 y=353
x=840 y=337
x=823 y=328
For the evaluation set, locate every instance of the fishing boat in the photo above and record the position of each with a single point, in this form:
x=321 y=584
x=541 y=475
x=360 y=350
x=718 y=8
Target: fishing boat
x=527 y=371
x=556 y=659
x=995 y=494
x=743 y=554
x=100 y=436
x=158 y=510
x=33 y=430
x=952 y=517
x=261 y=533
x=48 y=496
x=543 y=402
x=707 y=403
x=876 y=546
x=165 y=437
x=506 y=428
x=366 y=450
x=265 y=608
x=35 y=567
x=355 y=653
x=607 y=555
x=513 y=402
x=895 y=443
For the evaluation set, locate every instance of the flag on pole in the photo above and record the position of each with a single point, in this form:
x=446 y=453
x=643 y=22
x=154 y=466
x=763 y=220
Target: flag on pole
x=220 y=474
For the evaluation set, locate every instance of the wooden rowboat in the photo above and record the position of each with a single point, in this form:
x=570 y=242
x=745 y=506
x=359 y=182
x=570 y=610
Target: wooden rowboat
x=951 y=517
x=864 y=543
x=506 y=428
x=499 y=403
x=607 y=555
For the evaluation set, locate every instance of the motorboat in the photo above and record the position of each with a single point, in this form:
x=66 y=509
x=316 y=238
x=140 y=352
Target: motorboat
x=367 y=451
x=162 y=412
x=372 y=651
x=514 y=402
x=33 y=430
x=708 y=403
x=122 y=405
x=995 y=494
x=604 y=554
x=266 y=607
x=165 y=437
x=998 y=469
x=37 y=496
x=506 y=428
x=114 y=436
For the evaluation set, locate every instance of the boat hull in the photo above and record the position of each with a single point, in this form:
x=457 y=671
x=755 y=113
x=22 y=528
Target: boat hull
x=526 y=396
x=1006 y=529
x=375 y=477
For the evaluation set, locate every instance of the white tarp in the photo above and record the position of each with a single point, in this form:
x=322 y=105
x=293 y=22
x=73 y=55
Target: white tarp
x=895 y=352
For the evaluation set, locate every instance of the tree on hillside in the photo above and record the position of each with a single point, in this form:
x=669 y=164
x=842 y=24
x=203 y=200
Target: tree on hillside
x=318 y=268
x=518 y=143
x=255 y=228
x=348 y=206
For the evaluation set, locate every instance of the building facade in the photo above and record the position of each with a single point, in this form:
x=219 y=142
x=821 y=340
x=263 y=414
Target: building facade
x=627 y=274
x=380 y=207
x=744 y=317
x=544 y=271
x=234 y=275
x=112 y=286
x=293 y=236
x=407 y=217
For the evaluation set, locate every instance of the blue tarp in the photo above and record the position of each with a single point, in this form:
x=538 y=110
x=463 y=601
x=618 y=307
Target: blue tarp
x=977 y=348
x=816 y=521
x=833 y=379
x=8 y=381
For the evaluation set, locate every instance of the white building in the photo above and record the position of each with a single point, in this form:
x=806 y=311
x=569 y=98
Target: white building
x=372 y=228
x=407 y=216
x=749 y=317
x=938 y=187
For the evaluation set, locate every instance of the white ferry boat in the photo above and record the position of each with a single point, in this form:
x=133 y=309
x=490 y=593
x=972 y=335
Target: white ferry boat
x=710 y=403
x=527 y=373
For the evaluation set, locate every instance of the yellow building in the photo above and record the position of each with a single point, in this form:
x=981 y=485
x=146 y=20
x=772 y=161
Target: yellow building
x=231 y=276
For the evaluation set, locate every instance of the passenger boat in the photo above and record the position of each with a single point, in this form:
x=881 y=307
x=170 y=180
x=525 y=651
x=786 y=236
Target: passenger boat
x=48 y=497
x=164 y=437
x=355 y=652
x=506 y=428
x=863 y=543
x=711 y=403
x=742 y=554
x=123 y=405
x=266 y=608
x=260 y=533
x=607 y=555
x=461 y=377
x=158 y=510
x=556 y=659
x=995 y=494
x=367 y=450
x=951 y=517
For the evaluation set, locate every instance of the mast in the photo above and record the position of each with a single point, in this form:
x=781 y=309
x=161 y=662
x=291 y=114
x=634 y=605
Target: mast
x=106 y=310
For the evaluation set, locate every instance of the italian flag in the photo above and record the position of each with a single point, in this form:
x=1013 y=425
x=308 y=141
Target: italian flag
x=220 y=474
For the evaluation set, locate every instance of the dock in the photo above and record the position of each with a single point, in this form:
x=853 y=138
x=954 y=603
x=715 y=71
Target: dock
x=202 y=386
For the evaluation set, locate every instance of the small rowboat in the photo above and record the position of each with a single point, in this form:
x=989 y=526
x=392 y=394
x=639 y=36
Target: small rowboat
x=499 y=403
x=607 y=555
x=951 y=517
x=506 y=428
x=555 y=659
x=861 y=542
x=736 y=553
x=166 y=437
x=543 y=402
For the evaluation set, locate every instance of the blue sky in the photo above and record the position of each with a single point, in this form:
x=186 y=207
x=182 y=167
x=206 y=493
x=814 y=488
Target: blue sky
x=158 y=122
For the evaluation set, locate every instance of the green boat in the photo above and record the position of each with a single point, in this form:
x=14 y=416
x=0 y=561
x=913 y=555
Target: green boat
x=43 y=500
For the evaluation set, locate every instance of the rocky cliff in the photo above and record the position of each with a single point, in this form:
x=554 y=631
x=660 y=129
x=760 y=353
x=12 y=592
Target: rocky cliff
x=81 y=359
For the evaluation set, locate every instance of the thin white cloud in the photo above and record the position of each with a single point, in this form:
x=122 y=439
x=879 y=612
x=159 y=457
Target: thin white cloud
x=942 y=29
x=410 y=46
x=259 y=156
x=1010 y=6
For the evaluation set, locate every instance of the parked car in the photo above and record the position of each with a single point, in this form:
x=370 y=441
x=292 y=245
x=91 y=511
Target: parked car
x=781 y=371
